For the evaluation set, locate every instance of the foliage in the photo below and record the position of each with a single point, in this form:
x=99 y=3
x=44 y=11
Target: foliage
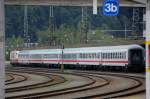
x=13 y=43
x=67 y=22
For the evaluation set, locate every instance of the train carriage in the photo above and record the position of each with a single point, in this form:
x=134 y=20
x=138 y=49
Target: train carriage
x=14 y=57
x=52 y=56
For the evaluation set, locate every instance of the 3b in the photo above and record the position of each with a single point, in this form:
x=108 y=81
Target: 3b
x=110 y=7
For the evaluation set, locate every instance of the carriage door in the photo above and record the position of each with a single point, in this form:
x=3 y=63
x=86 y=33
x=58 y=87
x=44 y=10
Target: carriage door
x=100 y=58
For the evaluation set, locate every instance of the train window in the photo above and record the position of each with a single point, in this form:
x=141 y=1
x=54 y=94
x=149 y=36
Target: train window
x=108 y=55
x=72 y=57
x=97 y=55
x=84 y=55
x=125 y=55
x=105 y=56
x=111 y=55
x=120 y=55
x=90 y=55
x=93 y=55
x=116 y=55
x=80 y=55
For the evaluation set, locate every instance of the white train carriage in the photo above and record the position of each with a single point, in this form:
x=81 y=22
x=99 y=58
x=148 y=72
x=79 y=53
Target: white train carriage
x=43 y=56
x=51 y=56
x=96 y=56
x=36 y=57
x=82 y=56
x=124 y=56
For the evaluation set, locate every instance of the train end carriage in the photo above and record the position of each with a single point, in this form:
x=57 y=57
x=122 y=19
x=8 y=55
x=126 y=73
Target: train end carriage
x=136 y=58
x=128 y=57
x=14 y=57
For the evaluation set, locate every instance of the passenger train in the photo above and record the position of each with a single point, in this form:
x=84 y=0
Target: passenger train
x=124 y=57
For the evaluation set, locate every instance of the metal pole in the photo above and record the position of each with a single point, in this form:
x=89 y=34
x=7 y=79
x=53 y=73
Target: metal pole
x=95 y=7
x=62 y=59
x=26 y=34
x=148 y=49
x=125 y=31
x=2 y=50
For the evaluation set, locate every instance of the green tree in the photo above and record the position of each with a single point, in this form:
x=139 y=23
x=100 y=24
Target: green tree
x=13 y=43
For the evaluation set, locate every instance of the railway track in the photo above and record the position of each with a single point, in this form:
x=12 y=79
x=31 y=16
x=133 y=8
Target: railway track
x=9 y=77
x=15 y=78
x=77 y=84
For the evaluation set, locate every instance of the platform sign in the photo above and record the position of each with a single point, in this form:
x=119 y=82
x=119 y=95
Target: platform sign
x=111 y=7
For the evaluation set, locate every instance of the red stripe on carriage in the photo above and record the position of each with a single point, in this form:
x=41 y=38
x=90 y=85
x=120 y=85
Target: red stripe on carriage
x=79 y=61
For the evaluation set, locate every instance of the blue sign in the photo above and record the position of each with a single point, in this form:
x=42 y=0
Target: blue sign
x=111 y=7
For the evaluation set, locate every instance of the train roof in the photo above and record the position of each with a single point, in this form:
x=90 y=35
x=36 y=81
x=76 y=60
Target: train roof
x=120 y=47
x=41 y=51
x=82 y=49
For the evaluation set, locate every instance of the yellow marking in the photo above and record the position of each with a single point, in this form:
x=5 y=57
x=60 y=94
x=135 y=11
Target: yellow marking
x=148 y=69
x=147 y=42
